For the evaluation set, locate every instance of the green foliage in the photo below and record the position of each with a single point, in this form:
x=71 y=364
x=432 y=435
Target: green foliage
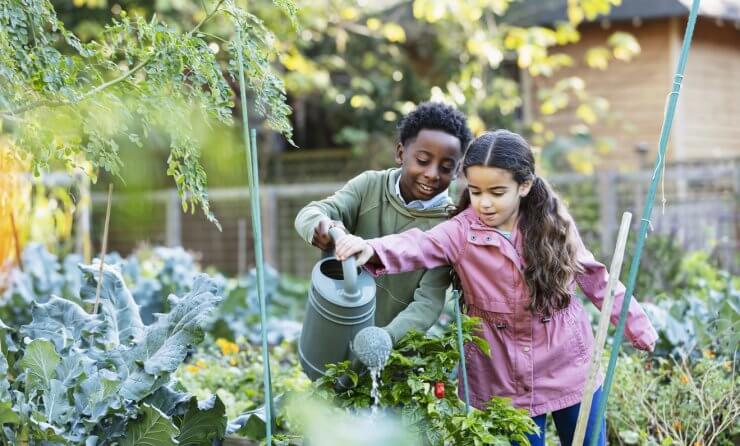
x=693 y=304
x=234 y=372
x=663 y=402
x=80 y=377
x=699 y=317
x=140 y=79
x=406 y=386
x=151 y=275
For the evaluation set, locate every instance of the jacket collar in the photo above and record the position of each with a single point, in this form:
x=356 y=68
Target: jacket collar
x=511 y=248
x=443 y=210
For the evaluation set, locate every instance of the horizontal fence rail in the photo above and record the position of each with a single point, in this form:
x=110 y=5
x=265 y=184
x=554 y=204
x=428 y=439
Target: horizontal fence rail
x=702 y=212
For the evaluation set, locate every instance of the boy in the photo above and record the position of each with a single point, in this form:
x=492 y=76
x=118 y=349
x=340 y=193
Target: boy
x=432 y=140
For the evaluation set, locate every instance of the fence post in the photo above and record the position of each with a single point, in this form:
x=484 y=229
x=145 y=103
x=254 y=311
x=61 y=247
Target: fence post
x=173 y=228
x=271 y=224
x=607 y=209
x=241 y=255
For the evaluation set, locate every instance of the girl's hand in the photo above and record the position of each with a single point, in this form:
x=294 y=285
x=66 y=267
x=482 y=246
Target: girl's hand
x=351 y=245
x=643 y=346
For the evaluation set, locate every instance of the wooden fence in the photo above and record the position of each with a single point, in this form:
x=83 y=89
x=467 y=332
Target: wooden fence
x=701 y=212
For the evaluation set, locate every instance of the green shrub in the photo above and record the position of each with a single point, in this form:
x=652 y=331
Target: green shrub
x=665 y=402
x=407 y=387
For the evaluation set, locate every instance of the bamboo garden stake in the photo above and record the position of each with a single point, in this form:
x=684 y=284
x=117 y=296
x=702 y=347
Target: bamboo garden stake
x=606 y=311
x=104 y=247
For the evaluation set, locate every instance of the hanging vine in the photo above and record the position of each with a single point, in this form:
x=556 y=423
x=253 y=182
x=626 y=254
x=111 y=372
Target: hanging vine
x=64 y=102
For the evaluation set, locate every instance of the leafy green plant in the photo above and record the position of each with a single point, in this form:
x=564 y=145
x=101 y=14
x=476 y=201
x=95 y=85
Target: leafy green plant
x=233 y=372
x=152 y=274
x=667 y=402
x=100 y=378
x=703 y=315
x=71 y=102
x=419 y=383
x=42 y=276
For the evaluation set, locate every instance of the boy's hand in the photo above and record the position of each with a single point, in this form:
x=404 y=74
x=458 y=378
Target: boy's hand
x=321 y=237
x=350 y=245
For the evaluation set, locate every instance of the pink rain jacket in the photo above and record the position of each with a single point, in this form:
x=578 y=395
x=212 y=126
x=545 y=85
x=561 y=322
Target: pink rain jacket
x=540 y=363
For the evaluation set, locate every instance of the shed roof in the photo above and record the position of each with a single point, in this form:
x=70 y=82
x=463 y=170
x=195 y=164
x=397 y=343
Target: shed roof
x=540 y=12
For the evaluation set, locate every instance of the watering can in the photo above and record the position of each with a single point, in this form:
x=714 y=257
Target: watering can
x=341 y=302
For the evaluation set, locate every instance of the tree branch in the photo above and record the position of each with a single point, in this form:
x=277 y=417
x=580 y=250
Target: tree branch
x=110 y=83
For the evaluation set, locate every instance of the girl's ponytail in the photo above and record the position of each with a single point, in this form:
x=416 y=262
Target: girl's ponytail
x=549 y=254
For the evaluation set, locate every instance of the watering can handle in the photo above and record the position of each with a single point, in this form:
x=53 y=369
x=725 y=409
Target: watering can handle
x=349 y=268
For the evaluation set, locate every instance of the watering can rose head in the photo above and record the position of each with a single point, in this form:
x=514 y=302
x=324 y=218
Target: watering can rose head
x=372 y=345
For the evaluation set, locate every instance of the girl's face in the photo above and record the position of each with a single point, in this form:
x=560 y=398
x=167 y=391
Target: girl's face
x=495 y=195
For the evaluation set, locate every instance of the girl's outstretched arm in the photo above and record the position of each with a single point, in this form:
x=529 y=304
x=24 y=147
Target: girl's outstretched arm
x=410 y=250
x=593 y=280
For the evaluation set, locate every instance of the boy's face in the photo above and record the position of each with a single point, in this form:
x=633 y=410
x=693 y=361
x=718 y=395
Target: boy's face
x=428 y=164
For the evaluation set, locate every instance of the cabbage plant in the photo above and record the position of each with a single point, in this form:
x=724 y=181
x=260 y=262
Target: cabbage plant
x=71 y=377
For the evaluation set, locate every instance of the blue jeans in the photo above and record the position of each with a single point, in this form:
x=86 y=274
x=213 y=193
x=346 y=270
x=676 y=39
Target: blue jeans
x=565 y=422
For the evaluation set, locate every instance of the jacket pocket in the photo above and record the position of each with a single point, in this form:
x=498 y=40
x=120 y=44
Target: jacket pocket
x=577 y=338
x=491 y=305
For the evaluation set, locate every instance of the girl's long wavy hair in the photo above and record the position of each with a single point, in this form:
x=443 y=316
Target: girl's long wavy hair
x=549 y=251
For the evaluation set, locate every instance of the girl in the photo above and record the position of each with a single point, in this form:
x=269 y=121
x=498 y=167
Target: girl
x=519 y=257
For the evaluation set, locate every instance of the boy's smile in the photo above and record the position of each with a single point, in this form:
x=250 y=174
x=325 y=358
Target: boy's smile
x=428 y=164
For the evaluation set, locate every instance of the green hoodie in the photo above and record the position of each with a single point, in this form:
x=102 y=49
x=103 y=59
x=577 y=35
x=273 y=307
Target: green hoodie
x=369 y=208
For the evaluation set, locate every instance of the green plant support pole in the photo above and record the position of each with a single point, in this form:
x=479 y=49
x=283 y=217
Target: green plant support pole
x=254 y=200
x=645 y=221
x=461 y=348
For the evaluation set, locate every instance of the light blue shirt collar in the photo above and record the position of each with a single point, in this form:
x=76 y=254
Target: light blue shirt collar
x=438 y=200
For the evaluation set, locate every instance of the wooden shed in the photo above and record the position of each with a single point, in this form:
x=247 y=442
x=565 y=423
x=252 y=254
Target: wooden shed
x=707 y=122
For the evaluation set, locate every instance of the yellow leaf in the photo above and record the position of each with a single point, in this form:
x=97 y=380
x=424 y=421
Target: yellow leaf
x=373 y=24
x=361 y=101
x=566 y=33
x=349 y=13
x=547 y=108
x=586 y=113
x=473 y=13
x=575 y=14
x=436 y=12
x=474 y=46
x=477 y=126
x=429 y=10
x=598 y=58
x=580 y=161
x=514 y=39
x=494 y=56
x=624 y=45
x=394 y=33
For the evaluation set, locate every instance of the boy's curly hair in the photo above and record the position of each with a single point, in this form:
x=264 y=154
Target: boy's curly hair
x=435 y=116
